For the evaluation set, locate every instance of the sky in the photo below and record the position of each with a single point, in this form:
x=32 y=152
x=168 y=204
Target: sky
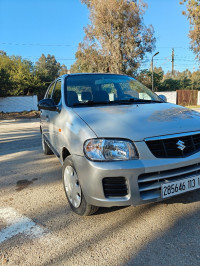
x=29 y=28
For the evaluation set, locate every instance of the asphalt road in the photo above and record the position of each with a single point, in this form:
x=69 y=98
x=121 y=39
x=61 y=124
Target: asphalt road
x=37 y=226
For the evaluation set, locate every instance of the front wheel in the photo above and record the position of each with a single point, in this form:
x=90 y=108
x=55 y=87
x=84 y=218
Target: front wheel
x=73 y=190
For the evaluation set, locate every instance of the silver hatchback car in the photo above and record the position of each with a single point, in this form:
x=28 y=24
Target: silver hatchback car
x=119 y=143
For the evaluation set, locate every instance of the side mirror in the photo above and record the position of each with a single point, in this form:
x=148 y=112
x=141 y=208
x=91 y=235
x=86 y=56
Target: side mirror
x=163 y=97
x=47 y=104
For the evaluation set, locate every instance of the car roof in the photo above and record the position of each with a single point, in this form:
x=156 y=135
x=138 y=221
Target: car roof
x=80 y=74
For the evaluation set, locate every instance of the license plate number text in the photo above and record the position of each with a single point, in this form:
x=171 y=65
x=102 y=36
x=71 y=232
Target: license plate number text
x=174 y=188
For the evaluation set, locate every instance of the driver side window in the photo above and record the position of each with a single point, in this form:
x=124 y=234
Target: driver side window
x=49 y=91
x=56 y=96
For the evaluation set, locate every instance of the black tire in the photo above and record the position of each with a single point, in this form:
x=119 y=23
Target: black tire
x=78 y=204
x=45 y=147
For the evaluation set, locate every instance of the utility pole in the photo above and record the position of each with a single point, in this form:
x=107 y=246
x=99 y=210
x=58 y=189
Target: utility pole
x=172 y=62
x=152 y=70
x=193 y=78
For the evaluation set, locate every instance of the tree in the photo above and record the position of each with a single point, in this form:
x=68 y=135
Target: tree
x=145 y=77
x=5 y=80
x=196 y=80
x=47 y=68
x=5 y=84
x=21 y=77
x=193 y=15
x=63 y=70
x=184 y=79
x=169 y=84
x=117 y=39
x=89 y=59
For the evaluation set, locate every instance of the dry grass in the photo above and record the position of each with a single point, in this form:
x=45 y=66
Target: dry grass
x=22 y=115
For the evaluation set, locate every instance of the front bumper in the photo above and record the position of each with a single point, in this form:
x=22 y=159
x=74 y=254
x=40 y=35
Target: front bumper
x=137 y=174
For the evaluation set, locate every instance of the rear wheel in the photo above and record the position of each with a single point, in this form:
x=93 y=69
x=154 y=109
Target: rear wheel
x=73 y=190
x=45 y=147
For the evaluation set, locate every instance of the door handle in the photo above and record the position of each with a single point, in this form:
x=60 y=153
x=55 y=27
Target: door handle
x=47 y=118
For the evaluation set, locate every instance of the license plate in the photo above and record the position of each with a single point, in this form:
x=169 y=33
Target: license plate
x=174 y=188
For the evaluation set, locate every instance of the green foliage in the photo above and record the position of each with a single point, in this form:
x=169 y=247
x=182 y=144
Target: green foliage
x=47 y=68
x=145 y=77
x=169 y=85
x=5 y=83
x=167 y=82
x=21 y=77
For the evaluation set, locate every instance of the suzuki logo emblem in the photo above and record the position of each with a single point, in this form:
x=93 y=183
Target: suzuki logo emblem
x=181 y=145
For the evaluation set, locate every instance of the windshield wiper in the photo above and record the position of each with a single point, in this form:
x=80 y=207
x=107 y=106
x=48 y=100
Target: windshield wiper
x=122 y=101
x=91 y=103
x=147 y=101
x=133 y=100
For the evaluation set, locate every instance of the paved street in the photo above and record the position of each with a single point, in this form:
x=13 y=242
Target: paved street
x=37 y=226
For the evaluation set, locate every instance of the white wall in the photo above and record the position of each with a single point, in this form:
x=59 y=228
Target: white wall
x=198 y=99
x=18 y=104
x=171 y=95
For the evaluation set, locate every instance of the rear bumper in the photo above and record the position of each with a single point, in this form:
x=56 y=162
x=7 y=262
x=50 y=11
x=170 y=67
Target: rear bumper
x=91 y=176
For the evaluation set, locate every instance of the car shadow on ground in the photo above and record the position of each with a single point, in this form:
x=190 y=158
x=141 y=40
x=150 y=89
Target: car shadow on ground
x=185 y=198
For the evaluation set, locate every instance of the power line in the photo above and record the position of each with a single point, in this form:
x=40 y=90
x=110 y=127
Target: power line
x=164 y=59
x=57 y=58
x=37 y=44
x=175 y=47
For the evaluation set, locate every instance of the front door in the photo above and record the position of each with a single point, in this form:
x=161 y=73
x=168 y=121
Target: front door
x=53 y=117
x=44 y=114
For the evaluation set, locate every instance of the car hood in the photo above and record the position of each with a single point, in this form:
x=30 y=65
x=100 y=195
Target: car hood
x=141 y=121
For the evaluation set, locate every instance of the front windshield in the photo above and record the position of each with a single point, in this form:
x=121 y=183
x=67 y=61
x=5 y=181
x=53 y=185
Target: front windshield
x=103 y=89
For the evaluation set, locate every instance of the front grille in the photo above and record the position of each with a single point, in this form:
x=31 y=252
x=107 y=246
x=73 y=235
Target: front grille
x=115 y=186
x=150 y=184
x=168 y=148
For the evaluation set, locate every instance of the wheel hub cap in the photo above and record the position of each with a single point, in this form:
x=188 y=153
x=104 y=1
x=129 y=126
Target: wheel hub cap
x=72 y=186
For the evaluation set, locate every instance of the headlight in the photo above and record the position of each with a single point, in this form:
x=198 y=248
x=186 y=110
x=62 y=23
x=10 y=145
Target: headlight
x=110 y=150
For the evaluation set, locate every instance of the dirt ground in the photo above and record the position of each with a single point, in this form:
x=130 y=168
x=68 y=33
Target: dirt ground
x=22 y=115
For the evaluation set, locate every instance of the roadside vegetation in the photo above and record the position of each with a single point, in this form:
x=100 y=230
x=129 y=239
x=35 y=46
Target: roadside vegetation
x=19 y=115
x=19 y=76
